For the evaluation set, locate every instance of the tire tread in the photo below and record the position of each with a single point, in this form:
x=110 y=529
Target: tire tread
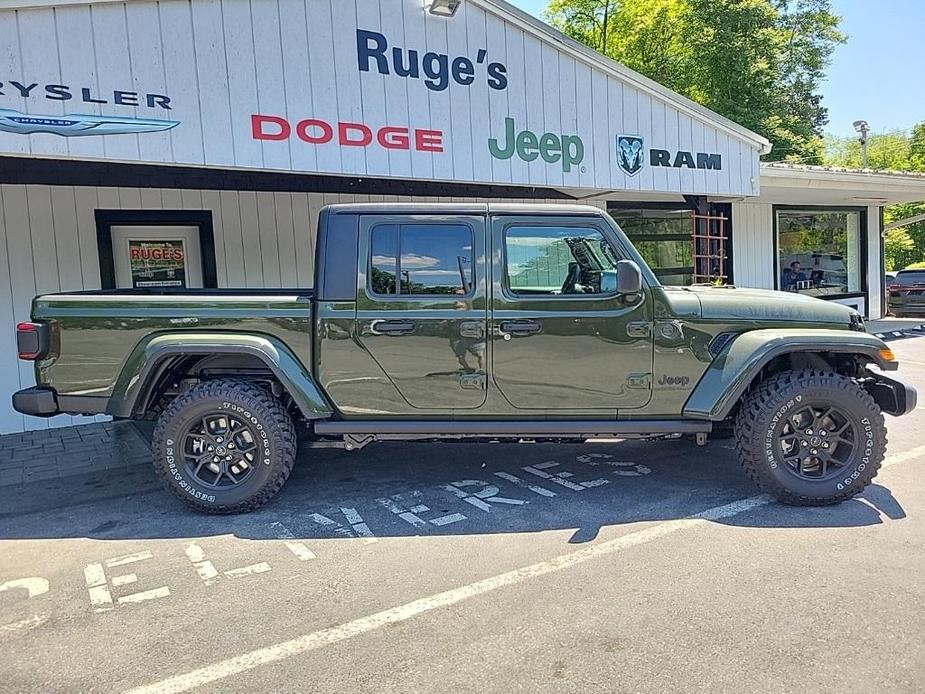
x=761 y=402
x=285 y=445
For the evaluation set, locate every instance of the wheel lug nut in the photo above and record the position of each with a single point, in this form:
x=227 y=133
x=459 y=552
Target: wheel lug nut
x=228 y=458
x=230 y=445
x=211 y=448
x=809 y=432
x=824 y=432
x=825 y=445
x=219 y=439
x=814 y=452
x=215 y=459
x=803 y=443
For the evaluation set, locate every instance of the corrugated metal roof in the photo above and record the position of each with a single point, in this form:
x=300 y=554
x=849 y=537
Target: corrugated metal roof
x=784 y=166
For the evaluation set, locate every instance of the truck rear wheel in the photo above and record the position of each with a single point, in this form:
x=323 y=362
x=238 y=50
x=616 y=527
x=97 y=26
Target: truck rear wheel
x=224 y=446
x=810 y=437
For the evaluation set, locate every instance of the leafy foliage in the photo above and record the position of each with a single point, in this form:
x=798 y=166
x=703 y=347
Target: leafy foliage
x=898 y=249
x=757 y=62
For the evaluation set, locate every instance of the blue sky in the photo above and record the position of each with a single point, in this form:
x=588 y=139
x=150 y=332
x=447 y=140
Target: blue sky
x=879 y=75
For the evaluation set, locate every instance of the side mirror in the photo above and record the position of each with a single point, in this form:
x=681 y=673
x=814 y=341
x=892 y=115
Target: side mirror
x=629 y=278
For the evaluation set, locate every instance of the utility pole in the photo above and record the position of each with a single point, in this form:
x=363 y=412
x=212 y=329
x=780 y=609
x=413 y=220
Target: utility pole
x=861 y=126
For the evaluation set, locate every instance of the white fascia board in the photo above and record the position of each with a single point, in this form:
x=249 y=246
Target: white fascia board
x=863 y=181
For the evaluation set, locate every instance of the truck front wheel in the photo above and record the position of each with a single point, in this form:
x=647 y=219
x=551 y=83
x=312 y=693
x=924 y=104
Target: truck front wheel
x=810 y=437
x=224 y=446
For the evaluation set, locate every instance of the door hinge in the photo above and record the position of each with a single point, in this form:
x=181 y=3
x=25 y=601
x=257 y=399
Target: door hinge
x=639 y=381
x=639 y=329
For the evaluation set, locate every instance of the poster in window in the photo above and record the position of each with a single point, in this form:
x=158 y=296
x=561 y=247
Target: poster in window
x=157 y=263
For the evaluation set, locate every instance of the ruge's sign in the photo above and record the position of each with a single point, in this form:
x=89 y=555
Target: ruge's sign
x=378 y=88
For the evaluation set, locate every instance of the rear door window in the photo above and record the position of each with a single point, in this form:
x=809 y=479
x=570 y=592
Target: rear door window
x=421 y=260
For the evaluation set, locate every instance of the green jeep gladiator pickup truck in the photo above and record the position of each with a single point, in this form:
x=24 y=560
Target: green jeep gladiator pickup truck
x=474 y=322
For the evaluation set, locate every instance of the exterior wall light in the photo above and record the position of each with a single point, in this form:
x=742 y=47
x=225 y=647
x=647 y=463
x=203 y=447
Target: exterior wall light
x=863 y=129
x=444 y=8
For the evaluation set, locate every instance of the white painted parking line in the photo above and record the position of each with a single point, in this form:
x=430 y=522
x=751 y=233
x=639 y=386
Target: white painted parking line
x=152 y=594
x=318 y=639
x=299 y=549
x=209 y=574
x=359 y=525
x=348 y=630
x=33 y=586
x=260 y=568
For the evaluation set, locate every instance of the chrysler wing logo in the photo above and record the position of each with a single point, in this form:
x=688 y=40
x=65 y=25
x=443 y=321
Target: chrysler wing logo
x=630 y=153
x=77 y=125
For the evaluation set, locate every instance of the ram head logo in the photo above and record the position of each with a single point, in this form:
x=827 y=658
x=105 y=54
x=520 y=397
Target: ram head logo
x=630 y=153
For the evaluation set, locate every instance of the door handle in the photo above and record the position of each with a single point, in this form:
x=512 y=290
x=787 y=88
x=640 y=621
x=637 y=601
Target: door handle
x=520 y=327
x=391 y=327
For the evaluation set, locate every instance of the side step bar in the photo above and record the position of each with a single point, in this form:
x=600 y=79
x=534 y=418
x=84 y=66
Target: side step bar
x=530 y=428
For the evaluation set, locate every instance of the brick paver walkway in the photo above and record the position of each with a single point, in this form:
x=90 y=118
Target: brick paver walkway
x=51 y=453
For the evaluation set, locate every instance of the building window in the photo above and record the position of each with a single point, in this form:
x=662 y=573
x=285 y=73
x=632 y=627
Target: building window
x=156 y=250
x=421 y=259
x=820 y=252
x=558 y=261
x=663 y=238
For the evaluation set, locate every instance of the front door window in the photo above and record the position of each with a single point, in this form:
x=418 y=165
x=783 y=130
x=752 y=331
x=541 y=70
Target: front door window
x=558 y=260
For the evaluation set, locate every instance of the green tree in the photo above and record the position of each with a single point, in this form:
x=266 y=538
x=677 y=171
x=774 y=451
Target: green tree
x=757 y=62
x=898 y=249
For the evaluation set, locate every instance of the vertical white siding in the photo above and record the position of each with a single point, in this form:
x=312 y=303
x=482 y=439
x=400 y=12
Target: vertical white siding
x=753 y=244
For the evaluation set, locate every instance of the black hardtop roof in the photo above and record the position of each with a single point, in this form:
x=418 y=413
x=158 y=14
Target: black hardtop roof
x=444 y=208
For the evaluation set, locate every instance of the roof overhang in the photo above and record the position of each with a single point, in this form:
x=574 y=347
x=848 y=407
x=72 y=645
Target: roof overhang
x=812 y=185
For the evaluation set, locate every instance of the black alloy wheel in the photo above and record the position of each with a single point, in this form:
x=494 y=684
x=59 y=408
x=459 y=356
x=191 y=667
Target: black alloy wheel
x=817 y=442
x=220 y=450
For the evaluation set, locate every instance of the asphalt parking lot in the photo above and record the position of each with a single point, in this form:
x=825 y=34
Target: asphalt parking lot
x=625 y=566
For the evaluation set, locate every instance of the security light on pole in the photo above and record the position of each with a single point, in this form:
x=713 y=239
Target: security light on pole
x=861 y=126
x=443 y=8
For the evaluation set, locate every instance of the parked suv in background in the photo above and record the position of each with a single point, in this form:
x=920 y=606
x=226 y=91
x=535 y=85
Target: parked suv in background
x=906 y=295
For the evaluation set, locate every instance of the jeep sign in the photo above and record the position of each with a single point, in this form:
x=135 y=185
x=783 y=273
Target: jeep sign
x=568 y=150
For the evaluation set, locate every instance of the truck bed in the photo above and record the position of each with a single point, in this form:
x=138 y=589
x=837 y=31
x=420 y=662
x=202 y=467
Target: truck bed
x=95 y=332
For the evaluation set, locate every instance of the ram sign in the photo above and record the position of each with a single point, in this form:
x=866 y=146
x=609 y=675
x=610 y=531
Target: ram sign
x=379 y=88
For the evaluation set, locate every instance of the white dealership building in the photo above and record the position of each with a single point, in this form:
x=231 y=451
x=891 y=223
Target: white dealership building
x=192 y=142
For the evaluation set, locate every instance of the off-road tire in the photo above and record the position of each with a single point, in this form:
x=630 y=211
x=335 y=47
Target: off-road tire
x=759 y=421
x=261 y=410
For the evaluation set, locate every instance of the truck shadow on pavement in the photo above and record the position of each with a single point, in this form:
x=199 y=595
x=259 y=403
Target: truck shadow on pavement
x=437 y=489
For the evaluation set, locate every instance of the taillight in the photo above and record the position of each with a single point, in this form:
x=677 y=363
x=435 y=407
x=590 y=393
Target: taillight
x=31 y=340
